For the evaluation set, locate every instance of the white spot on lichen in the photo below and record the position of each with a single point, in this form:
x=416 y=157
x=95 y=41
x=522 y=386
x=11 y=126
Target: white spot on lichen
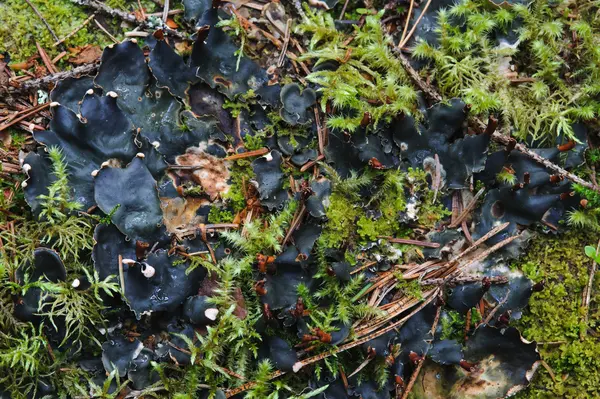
x=54 y=104
x=112 y=94
x=134 y=41
x=128 y=262
x=24 y=184
x=90 y=92
x=147 y=270
x=26 y=167
x=104 y=164
x=76 y=283
x=211 y=313
x=155 y=144
x=297 y=366
x=140 y=155
x=95 y=172
x=269 y=157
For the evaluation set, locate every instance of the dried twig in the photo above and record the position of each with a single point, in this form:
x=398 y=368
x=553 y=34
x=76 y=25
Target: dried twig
x=87 y=21
x=39 y=14
x=125 y=16
x=107 y=33
x=49 y=79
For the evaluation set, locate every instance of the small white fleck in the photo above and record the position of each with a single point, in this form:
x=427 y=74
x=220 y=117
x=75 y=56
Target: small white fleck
x=104 y=164
x=24 y=184
x=297 y=366
x=128 y=262
x=26 y=167
x=54 y=104
x=90 y=92
x=95 y=172
x=211 y=313
x=140 y=155
x=156 y=144
x=147 y=270
x=269 y=157
x=112 y=94
x=76 y=283
x=134 y=41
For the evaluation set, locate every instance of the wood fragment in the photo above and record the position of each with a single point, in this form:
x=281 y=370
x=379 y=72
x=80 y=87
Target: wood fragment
x=71 y=34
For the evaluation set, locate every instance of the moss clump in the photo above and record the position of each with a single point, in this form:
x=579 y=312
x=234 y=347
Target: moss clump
x=20 y=27
x=341 y=214
x=558 y=51
x=554 y=315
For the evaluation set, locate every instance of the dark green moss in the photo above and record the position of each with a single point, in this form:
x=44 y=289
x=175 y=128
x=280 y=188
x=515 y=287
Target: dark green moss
x=554 y=315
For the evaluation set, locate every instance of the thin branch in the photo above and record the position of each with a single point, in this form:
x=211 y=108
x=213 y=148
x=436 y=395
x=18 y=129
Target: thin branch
x=125 y=16
x=39 y=14
x=87 y=21
x=53 y=78
x=106 y=32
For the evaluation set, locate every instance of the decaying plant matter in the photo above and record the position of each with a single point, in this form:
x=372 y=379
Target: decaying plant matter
x=243 y=221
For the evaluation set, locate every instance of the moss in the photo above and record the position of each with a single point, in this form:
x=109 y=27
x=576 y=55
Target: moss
x=341 y=214
x=241 y=174
x=20 y=27
x=554 y=315
x=219 y=215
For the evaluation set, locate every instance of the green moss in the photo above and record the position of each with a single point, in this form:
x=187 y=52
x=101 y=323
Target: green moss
x=219 y=215
x=241 y=174
x=341 y=214
x=554 y=315
x=20 y=27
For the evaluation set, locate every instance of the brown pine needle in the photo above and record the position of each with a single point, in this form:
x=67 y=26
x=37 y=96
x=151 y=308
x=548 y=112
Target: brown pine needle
x=410 y=9
x=107 y=33
x=407 y=38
